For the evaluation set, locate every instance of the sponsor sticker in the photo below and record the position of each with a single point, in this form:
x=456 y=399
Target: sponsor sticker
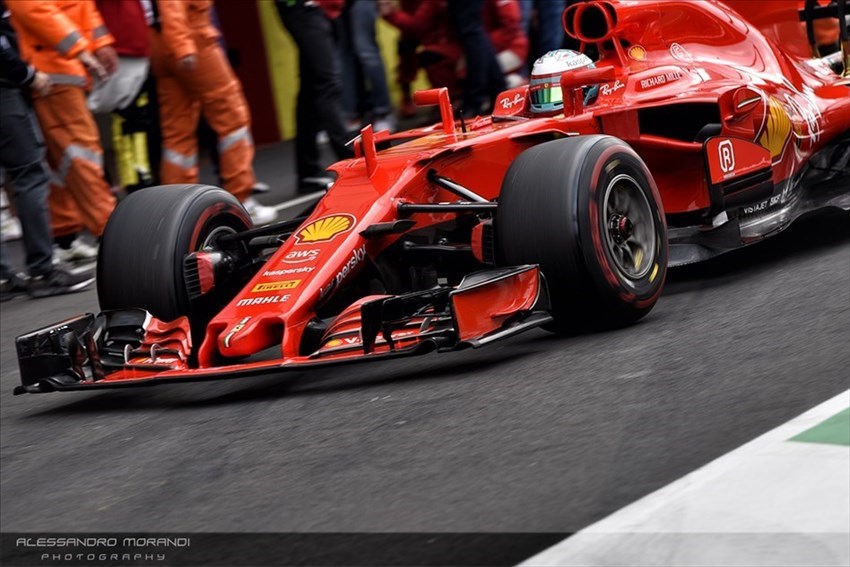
x=349 y=341
x=158 y=360
x=301 y=256
x=608 y=88
x=659 y=80
x=637 y=52
x=357 y=256
x=508 y=102
x=726 y=153
x=288 y=271
x=752 y=209
x=325 y=229
x=276 y=286
x=333 y=343
x=777 y=129
x=680 y=53
x=263 y=300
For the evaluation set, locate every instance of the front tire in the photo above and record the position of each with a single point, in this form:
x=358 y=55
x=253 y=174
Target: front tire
x=587 y=211
x=140 y=263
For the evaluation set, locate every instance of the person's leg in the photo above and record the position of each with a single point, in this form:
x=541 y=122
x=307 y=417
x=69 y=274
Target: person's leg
x=349 y=66
x=441 y=70
x=226 y=111
x=22 y=156
x=65 y=218
x=550 y=29
x=71 y=125
x=525 y=9
x=481 y=83
x=307 y=127
x=179 y=113
x=148 y=117
x=363 y=16
x=408 y=67
x=320 y=82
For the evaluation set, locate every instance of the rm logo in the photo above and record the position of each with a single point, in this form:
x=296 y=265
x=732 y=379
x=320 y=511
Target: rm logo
x=727 y=156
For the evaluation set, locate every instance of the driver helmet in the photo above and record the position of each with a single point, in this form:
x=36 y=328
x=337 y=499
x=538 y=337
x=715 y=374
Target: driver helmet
x=545 y=84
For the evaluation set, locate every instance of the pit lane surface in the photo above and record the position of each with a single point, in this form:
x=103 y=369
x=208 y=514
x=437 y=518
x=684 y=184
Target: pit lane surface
x=536 y=434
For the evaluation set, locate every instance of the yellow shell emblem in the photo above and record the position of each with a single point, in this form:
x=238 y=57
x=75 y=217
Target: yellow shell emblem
x=777 y=129
x=325 y=229
x=637 y=52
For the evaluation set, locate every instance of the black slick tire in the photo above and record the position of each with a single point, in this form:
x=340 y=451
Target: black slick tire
x=140 y=262
x=554 y=211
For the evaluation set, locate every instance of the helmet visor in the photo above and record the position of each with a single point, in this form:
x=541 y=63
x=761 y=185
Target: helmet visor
x=545 y=94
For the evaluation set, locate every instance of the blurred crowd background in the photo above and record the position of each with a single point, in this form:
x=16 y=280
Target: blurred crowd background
x=101 y=98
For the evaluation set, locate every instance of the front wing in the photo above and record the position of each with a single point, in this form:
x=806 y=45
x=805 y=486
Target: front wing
x=128 y=347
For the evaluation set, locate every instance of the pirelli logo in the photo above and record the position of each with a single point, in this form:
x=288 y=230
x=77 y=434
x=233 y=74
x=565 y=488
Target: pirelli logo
x=276 y=286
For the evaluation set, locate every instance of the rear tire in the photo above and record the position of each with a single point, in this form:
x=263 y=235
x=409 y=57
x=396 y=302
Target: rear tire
x=140 y=263
x=587 y=211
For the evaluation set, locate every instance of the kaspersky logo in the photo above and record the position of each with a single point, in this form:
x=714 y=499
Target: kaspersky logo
x=325 y=229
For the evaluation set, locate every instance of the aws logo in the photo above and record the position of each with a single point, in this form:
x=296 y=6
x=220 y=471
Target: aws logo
x=301 y=256
x=325 y=229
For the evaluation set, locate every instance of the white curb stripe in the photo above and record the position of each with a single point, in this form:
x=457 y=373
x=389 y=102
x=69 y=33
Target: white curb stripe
x=770 y=502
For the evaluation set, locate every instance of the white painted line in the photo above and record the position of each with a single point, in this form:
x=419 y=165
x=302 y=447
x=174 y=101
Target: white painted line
x=770 y=502
x=297 y=202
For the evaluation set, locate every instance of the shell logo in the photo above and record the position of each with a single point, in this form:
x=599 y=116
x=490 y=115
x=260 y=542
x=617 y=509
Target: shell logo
x=333 y=343
x=325 y=228
x=777 y=129
x=637 y=52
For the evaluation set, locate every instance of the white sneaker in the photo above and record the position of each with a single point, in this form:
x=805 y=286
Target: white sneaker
x=260 y=187
x=385 y=123
x=78 y=253
x=10 y=226
x=260 y=214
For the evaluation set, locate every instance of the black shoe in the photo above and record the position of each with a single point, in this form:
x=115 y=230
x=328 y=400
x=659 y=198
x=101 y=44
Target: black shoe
x=57 y=282
x=14 y=286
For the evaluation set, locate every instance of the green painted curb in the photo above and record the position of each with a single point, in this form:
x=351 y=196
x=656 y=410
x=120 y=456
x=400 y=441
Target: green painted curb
x=834 y=431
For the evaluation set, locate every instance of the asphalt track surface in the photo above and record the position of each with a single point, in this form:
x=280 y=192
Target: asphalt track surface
x=536 y=434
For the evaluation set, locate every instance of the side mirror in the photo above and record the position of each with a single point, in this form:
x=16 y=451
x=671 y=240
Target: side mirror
x=438 y=97
x=573 y=81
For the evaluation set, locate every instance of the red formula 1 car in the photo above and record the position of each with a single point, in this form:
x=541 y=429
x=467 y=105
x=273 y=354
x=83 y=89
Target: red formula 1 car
x=700 y=127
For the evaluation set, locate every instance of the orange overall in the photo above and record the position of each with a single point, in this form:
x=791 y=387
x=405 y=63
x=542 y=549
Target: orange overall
x=51 y=34
x=212 y=88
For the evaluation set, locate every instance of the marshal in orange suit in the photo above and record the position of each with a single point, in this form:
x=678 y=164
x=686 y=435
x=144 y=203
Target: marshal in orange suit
x=193 y=76
x=63 y=38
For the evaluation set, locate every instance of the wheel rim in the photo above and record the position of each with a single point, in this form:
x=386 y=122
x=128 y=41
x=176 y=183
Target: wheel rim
x=629 y=227
x=215 y=234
